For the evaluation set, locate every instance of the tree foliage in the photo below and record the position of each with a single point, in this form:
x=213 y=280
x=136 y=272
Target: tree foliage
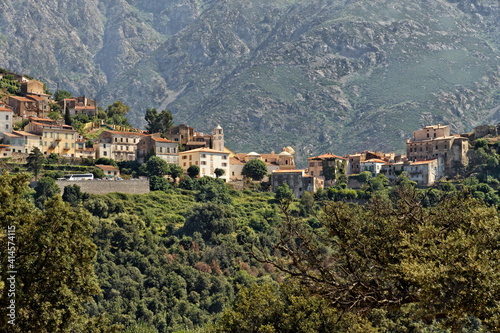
x=443 y=259
x=59 y=95
x=45 y=189
x=193 y=171
x=53 y=259
x=159 y=122
x=255 y=169
x=35 y=161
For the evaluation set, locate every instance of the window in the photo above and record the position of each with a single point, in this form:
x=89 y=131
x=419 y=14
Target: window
x=7 y=117
x=184 y=157
x=121 y=139
x=184 y=163
x=161 y=149
x=73 y=145
x=224 y=157
x=203 y=163
x=66 y=136
x=312 y=173
x=41 y=143
x=436 y=146
x=105 y=153
x=72 y=136
x=45 y=143
x=224 y=164
x=427 y=134
x=51 y=134
x=116 y=139
x=45 y=134
x=434 y=134
x=127 y=140
x=7 y=126
x=66 y=145
x=203 y=155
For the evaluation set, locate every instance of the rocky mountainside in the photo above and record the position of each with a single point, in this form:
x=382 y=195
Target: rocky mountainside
x=338 y=75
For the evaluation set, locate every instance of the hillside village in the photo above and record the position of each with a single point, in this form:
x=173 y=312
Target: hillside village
x=432 y=153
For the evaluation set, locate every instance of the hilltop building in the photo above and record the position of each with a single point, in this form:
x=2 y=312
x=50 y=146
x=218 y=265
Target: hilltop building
x=57 y=138
x=79 y=105
x=189 y=139
x=435 y=142
x=316 y=165
x=167 y=150
x=207 y=160
x=118 y=146
x=6 y=115
x=281 y=161
x=297 y=180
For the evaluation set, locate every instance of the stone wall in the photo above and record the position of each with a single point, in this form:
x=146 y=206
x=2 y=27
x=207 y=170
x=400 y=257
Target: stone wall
x=108 y=186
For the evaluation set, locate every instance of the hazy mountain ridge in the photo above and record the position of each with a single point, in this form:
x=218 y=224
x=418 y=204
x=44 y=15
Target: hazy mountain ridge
x=318 y=75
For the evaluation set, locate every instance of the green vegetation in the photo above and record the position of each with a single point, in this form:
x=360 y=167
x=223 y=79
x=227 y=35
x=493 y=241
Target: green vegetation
x=255 y=169
x=158 y=123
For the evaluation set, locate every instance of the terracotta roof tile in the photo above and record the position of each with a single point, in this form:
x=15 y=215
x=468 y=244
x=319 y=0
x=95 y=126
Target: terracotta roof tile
x=288 y=171
x=324 y=156
x=106 y=167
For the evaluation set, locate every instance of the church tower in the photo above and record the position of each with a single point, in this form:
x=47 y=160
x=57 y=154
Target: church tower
x=218 y=138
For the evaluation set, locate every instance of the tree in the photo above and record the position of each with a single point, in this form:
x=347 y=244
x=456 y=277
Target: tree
x=62 y=94
x=157 y=167
x=193 y=171
x=209 y=219
x=35 y=161
x=219 y=172
x=45 y=189
x=118 y=108
x=158 y=183
x=175 y=171
x=159 y=123
x=67 y=117
x=53 y=259
x=116 y=113
x=442 y=260
x=73 y=195
x=284 y=195
x=53 y=158
x=98 y=173
x=255 y=169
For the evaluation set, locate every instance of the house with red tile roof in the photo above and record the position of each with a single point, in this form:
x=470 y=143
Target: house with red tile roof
x=167 y=150
x=117 y=145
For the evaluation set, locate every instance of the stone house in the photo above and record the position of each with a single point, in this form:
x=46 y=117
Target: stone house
x=79 y=105
x=316 y=164
x=24 y=107
x=435 y=142
x=297 y=181
x=5 y=151
x=118 y=146
x=167 y=150
x=354 y=160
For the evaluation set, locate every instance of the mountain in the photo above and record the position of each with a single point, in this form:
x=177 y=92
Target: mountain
x=338 y=75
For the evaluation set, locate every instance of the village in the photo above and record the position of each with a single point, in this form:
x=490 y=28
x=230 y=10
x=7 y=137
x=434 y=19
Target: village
x=432 y=153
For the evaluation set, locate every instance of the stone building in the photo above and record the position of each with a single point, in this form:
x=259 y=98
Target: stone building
x=374 y=166
x=297 y=181
x=435 y=142
x=109 y=170
x=79 y=105
x=190 y=139
x=316 y=164
x=118 y=146
x=167 y=150
x=424 y=173
x=355 y=160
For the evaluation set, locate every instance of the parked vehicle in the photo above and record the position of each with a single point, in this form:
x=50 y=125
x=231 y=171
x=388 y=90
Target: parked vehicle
x=82 y=176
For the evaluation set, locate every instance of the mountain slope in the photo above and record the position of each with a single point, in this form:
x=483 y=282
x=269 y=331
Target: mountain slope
x=338 y=75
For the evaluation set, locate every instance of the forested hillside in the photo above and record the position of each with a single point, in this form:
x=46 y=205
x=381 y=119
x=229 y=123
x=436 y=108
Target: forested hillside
x=199 y=256
x=319 y=75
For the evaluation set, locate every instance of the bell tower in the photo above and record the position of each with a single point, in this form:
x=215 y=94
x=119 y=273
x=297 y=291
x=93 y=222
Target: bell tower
x=218 y=138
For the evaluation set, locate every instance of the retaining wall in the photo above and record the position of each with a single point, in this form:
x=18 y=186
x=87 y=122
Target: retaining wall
x=107 y=186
